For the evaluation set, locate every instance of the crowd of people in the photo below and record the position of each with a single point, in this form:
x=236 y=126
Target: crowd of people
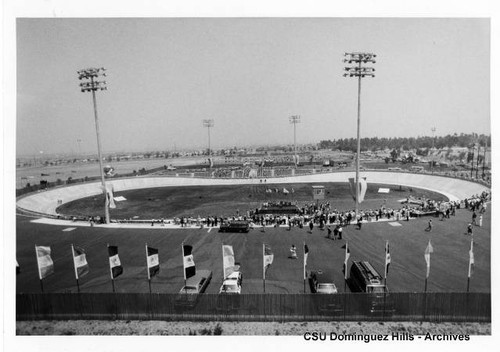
x=323 y=215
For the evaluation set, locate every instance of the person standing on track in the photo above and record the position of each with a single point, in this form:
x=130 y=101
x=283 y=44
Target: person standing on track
x=429 y=226
x=474 y=216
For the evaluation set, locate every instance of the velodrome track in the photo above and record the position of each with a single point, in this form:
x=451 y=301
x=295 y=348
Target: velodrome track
x=408 y=241
x=46 y=202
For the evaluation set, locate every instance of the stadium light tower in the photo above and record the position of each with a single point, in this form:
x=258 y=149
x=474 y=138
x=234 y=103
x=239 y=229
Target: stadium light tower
x=208 y=123
x=91 y=84
x=357 y=60
x=295 y=120
x=433 y=129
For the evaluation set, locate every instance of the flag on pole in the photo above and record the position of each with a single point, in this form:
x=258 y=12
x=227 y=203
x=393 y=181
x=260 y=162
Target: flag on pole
x=427 y=257
x=80 y=262
x=112 y=204
x=110 y=201
x=153 y=261
x=347 y=255
x=362 y=187
x=188 y=260
x=387 y=258
x=45 y=263
x=115 y=266
x=227 y=260
x=306 y=254
x=268 y=258
x=471 y=258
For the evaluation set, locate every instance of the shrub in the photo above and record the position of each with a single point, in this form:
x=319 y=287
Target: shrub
x=218 y=329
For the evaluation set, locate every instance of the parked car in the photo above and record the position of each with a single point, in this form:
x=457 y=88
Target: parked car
x=326 y=288
x=317 y=286
x=197 y=283
x=232 y=283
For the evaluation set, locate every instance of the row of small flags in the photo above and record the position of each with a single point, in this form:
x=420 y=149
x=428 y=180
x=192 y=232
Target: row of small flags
x=81 y=266
x=46 y=264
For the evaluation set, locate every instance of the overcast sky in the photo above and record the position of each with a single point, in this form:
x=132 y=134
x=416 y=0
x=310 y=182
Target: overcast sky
x=166 y=75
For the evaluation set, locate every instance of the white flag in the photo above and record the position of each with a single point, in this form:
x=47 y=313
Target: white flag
x=228 y=260
x=471 y=258
x=427 y=257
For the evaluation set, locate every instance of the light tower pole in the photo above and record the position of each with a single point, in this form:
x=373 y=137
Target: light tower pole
x=295 y=119
x=91 y=84
x=208 y=123
x=433 y=129
x=358 y=70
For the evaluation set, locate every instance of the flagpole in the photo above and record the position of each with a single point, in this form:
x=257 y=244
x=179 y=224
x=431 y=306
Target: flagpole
x=304 y=269
x=76 y=271
x=385 y=275
x=471 y=256
x=345 y=265
x=263 y=267
x=39 y=271
x=223 y=273
x=111 y=271
x=147 y=268
x=184 y=269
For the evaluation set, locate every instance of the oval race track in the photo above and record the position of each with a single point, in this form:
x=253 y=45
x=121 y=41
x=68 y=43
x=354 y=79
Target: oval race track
x=46 y=202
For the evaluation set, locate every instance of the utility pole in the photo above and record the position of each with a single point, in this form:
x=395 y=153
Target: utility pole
x=93 y=85
x=477 y=159
x=358 y=70
x=433 y=129
x=295 y=120
x=208 y=123
x=484 y=156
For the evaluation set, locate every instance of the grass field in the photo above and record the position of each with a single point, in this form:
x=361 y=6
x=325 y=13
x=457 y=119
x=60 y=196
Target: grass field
x=167 y=202
x=449 y=262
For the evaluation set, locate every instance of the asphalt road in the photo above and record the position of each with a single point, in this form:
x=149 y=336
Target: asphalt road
x=449 y=262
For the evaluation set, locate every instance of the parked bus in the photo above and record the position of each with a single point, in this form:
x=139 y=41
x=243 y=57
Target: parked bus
x=364 y=278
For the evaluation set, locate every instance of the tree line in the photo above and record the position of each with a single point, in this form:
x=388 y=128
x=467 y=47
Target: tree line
x=408 y=143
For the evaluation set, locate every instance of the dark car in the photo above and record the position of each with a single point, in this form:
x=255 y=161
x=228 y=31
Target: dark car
x=235 y=226
x=195 y=285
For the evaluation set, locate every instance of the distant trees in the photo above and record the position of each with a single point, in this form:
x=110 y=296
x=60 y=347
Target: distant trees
x=403 y=143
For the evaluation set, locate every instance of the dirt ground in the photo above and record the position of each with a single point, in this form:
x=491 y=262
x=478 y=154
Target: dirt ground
x=80 y=327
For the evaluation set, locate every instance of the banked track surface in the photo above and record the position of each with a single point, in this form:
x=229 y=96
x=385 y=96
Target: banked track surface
x=46 y=202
